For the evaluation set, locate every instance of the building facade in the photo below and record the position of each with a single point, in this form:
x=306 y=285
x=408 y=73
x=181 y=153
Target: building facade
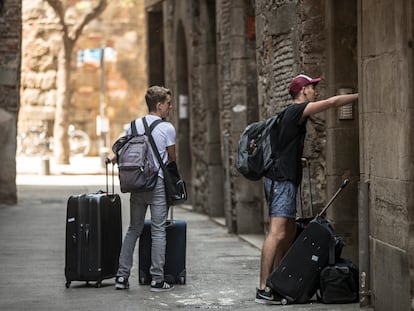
x=229 y=63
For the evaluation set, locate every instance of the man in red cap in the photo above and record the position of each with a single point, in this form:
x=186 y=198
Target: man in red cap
x=283 y=179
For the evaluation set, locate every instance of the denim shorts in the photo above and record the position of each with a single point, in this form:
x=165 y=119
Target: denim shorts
x=283 y=198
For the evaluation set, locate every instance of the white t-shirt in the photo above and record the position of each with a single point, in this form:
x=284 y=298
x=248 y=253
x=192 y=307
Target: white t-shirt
x=163 y=134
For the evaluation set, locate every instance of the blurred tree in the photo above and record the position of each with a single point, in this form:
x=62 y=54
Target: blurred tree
x=70 y=34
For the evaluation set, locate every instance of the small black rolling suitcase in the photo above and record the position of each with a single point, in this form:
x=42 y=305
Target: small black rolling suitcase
x=175 y=253
x=297 y=276
x=93 y=236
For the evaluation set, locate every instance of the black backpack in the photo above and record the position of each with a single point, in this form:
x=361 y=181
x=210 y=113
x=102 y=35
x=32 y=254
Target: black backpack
x=137 y=170
x=254 y=154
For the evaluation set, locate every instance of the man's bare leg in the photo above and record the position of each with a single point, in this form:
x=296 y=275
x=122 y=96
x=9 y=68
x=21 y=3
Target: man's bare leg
x=281 y=235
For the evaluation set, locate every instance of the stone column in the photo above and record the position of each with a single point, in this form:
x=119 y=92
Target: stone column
x=10 y=58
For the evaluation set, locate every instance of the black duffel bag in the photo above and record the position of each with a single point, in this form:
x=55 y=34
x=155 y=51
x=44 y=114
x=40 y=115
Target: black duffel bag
x=339 y=283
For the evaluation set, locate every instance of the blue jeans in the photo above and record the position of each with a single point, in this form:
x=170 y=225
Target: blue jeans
x=159 y=213
x=283 y=198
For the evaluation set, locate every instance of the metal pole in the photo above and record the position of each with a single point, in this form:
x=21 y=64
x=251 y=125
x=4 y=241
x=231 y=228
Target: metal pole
x=364 y=258
x=102 y=138
x=227 y=187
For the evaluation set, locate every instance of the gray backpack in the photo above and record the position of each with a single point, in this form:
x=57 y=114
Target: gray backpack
x=137 y=170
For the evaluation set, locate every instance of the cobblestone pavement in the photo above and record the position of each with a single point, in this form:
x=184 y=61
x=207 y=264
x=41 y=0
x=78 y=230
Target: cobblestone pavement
x=222 y=269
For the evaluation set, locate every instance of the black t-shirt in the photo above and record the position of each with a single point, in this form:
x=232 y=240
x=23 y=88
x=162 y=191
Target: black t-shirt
x=289 y=150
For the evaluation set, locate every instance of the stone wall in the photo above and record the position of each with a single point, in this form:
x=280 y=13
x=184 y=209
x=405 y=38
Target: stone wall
x=319 y=39
x=211 y=58
x=387 y=157
x=290 y=42
x=10 y=57
x=119 y=28
x=231 y=82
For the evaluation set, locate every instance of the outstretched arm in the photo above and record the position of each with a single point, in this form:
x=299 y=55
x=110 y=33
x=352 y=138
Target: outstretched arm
x=334 y=101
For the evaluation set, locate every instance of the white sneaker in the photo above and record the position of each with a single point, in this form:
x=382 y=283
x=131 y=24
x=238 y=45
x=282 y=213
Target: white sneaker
x=161 y=286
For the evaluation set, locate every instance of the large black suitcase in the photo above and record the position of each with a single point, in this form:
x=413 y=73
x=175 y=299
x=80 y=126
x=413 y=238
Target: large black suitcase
x=297 y=276
x=93 y=237
x=175 y=253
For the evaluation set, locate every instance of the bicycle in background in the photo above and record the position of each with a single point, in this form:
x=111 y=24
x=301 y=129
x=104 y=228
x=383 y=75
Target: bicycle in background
x=37 y=142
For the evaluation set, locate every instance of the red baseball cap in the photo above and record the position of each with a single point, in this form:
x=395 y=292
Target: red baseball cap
x=299 y=82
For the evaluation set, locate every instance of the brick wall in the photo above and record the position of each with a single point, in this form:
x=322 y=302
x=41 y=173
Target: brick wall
x=290 y=40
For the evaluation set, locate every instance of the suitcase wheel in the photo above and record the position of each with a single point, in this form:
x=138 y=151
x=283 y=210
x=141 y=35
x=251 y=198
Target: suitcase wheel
x=67 y=284
x=284 y=301
x=98 y=284
x=182 y=280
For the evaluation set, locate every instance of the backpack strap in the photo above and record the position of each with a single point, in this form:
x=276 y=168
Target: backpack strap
x=153 y=124
x=134 y=131
x=148 y=130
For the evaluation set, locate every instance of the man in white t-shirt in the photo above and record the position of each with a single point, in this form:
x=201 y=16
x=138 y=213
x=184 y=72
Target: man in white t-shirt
x=158 y=100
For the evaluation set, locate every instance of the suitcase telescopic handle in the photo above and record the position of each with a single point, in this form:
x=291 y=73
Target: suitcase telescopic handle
x=343 y=185
x=106 y=173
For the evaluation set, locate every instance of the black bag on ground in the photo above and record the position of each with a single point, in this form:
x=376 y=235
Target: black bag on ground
x=339 y=283
x=137 y=170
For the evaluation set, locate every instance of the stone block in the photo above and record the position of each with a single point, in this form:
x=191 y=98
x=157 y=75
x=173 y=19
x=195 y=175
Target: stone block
x=382 y=37
x=28 y=79
x=389 y=213
x=391 y=274
x=249 y=217
x=383 y=146
x=8 y=133
x=51 y=98
x=48 y=80
x=248 y=191
x=8 y=77
x=282 y=19
x=342 y=151
x=237 y=22
x=238 y=71
x=381 y=71
x=30 y=97
x=215 y=191
x=238 y=48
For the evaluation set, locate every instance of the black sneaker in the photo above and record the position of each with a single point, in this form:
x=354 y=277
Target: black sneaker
x=161 y=286
x=121 y=283
x=267 y=297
